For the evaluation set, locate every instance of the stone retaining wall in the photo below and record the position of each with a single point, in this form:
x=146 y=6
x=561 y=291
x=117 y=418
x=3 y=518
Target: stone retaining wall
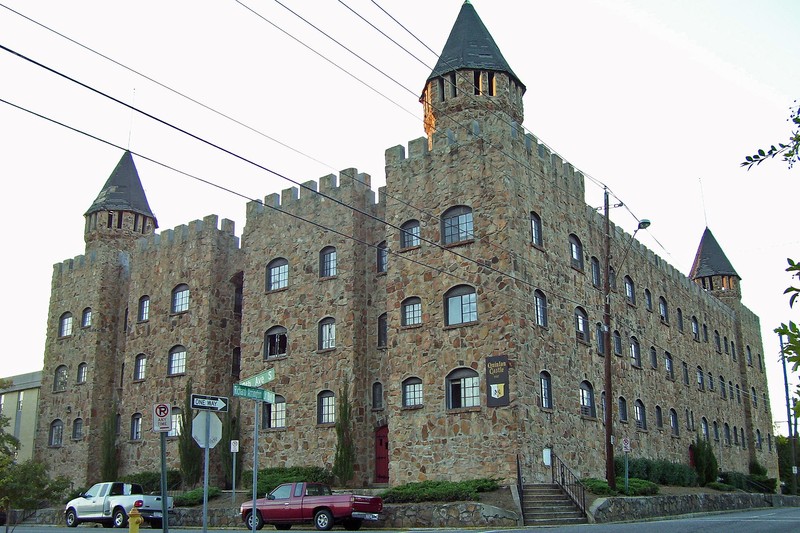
x=631 y=509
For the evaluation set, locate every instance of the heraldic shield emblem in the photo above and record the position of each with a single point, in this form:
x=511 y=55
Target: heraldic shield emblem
x=497 y=380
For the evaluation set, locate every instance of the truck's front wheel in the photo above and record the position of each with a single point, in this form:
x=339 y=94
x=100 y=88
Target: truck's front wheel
x=258 y=519
x=71 y=518
x=323 y=520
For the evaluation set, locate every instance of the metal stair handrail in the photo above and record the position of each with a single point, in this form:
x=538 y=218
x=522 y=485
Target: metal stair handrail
x=569 y=482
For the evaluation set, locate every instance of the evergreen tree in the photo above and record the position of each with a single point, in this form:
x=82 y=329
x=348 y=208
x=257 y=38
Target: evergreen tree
x=191 y=454
x=344 y=460
x=110 y=465
x=230 y=431
x=704 y=462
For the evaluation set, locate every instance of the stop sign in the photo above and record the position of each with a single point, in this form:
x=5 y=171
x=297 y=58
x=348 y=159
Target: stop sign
x=199 y=429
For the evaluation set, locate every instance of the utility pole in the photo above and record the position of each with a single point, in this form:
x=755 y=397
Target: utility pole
x=607 y=408
x=792 y=439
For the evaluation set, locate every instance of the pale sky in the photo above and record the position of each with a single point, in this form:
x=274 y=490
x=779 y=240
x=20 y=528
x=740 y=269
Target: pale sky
x=658 y=100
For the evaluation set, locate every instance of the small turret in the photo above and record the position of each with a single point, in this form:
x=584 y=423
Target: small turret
x=120 y=213
x=471 y=79
x=712 y=270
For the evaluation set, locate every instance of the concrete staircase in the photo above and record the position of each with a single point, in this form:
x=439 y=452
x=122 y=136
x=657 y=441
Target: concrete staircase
x=548 y=505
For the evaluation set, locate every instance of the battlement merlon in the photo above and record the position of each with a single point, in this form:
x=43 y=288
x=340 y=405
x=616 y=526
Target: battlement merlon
x=208 y=226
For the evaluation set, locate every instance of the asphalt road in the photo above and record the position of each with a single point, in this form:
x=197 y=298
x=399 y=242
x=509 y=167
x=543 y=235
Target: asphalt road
x=771 y=520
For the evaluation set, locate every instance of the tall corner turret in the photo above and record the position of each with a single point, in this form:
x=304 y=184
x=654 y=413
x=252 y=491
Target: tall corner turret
x=472 y=79
x=120 y=214
x=713 y=271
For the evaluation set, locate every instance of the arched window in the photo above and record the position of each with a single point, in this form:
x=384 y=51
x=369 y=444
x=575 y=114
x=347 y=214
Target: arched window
x=673 y=422
x=581 y=325
x=409 y=234
x=749 y=355
x=659 y=417
x=383 y=330
x=326 y=407
x=597 y=276
x=600 y=338
x=680 y=319
x=636 y=354
x=326 y=334
x=457 y=225
x=175 y=423
x=710 y=381
x=733 y=351
x=630 y=290
x=648 y=300
x=743 y=441
x=587 y=400
x=143 y=310
x=701 y=385
x=612 y=278
x=65 y=325
x=411 y=312
x=640 y=415
x=704 y=428
x=622 y=406
x=716 y=430
x=536 y=230
x=327 y=262
x=140 y=367
x=180 y=298
x=60 y=379
x=717 y=342
x=273 y=414
x=463 y=389
x=738 y=395
x=669 y=366
x=726 y=345
x=616 y=340
x=377 y=395
x=136 y=426
x=460 y=305
x=546 y=389
x=663 y=310
x=755 y=397
x=705 y=333
x=177 y=361
x=412 y=392
x=575 y=252
x=277 y=274
x=77 y=429
x=735 y=435
x=723 y=391
x=653 y=357
x=83 y=370
x=758 y=439
x=86 y=318
x=382 y=257
x=726 y=433
x=540 y=306
x=695 y=329
x=56 y=435
x=275 y=342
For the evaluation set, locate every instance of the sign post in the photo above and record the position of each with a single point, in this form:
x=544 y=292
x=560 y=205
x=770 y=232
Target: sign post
x=626 y=448
x=162 y=422
x=202 y=433
x=234 y=451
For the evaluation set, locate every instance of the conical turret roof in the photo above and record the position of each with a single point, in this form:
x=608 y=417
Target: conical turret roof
x=710 y=259
x=123 y=191
x=470 y=46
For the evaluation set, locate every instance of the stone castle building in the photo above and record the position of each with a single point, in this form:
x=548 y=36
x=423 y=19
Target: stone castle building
x=461 y=310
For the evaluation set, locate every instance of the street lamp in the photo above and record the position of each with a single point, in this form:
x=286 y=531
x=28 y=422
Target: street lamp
x=608 y=407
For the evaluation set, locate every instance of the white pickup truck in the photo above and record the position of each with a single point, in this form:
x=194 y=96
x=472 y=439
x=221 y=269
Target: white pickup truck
x=110 y=503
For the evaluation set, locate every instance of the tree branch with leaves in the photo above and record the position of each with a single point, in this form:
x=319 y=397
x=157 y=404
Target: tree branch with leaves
x=789 y=151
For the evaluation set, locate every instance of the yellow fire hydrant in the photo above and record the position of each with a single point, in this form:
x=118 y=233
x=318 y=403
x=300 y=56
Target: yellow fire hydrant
x=134 y=520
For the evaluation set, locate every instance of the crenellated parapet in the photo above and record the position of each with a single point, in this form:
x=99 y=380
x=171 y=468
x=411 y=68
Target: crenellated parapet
x=196 y=230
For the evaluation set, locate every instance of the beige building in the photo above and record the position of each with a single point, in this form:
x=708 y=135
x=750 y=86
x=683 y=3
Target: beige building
x=20 y=404
x=461 y=307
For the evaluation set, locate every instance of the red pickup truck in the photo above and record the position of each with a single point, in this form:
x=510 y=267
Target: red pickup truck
x=303 y=503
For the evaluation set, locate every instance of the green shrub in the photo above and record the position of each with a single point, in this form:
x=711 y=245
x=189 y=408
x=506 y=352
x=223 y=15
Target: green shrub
x=151 y=481
x=756 y=469
x=638 y=487
x=735 y=479
x=660 y=471
x=705 y=463
x=439 y=491
x=598 y=486
x=763 y=484
x=195 y=497
x=723 y=487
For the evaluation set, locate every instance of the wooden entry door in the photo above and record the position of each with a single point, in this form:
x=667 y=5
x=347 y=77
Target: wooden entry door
x=382 y=455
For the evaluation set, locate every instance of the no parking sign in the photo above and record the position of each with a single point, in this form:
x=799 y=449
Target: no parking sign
x=162 y=417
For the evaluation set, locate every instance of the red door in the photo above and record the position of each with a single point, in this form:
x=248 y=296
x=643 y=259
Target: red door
x=382 y=455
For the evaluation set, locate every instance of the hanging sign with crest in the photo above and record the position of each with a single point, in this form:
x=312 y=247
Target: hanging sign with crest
x=497 y=380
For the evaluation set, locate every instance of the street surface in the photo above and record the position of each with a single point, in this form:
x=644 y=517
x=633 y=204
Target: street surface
x=769 y=520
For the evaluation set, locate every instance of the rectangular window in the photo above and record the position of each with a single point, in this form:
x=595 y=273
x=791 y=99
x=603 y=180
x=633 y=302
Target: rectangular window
x=412 y=394
x=458 y=228
x=465 y=392
x=462 y=308
x=273 y=415
x=279 y=277
x=412 y=313
x=177 y=363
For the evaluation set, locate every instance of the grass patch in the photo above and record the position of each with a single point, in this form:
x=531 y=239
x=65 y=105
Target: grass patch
x=195 y=497
x=439 y=491
x=722 y=487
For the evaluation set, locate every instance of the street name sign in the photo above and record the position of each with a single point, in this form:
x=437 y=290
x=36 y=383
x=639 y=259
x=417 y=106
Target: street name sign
x=162 y=417
x=210 y=403
x=199 y=429
x=259 y=379
x=253 y=393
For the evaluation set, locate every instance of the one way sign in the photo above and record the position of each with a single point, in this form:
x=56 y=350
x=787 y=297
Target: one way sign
x=209 y=403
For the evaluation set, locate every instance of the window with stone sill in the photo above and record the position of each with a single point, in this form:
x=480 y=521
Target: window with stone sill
x=630 y=291
x=180 y=299
x=412 y=392
x=176 y=363
x=616 y=341
x=327 y=262
x=636 y=354
x=77 y=429
x=640 y=415
x=460 y=305
x=581 y=325
x=575 y=252
x=277 y=274
x=273 y=415
x=546 y=390
x=409 y=235
x=463 y=389
x=382 y=258
x=622 y=407
x=326 y=334
x=143 y=310
x=536 y=230
x=659 y=417
x=175 y=423
x=275 y=342
x=86 y=318
x=663 y=310
x=597 y=277
x=673 y=423
x=326 y=407
x=411 y=312
x=60 y=379
x=65 y=325
x=383 y=330
x=587 y=400
x=55 y=437
x=140 y=367
x=377 y=396
x=83 y=371
x=457 y=225
x=540 y=308
x=648 y=300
